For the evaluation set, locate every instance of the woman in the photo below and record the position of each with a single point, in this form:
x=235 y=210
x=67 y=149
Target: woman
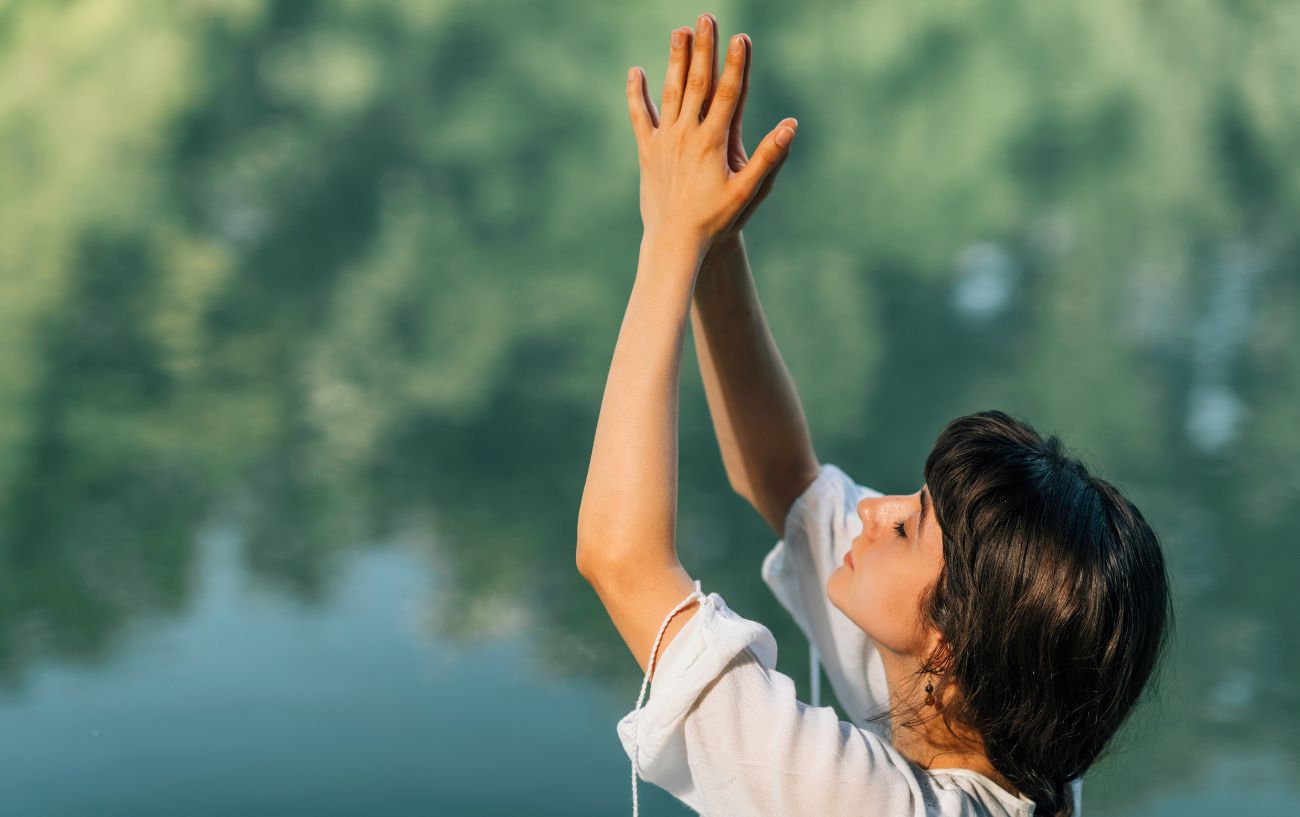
x=990 y=632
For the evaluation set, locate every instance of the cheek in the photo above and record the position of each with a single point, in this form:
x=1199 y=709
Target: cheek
x=882 y=593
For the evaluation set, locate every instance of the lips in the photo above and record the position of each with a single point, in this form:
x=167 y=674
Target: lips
x=848 y=558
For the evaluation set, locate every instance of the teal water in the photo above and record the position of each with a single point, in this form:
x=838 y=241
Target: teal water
x=305 y=313
x=254 y=705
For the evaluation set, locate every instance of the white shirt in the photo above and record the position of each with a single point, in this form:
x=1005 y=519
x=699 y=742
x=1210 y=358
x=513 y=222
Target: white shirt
x=723 y=732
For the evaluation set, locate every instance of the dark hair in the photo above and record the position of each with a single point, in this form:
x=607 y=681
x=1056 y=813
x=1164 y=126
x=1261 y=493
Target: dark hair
x=1053 y=602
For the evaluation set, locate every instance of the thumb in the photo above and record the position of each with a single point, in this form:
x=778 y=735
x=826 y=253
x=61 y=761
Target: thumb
x=767 y=156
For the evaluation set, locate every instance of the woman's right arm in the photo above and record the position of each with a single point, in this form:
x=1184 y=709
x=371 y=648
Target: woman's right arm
x=760 y=424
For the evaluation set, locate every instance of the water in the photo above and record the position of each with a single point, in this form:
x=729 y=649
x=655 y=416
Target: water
x=305 y=314
x=252 y=704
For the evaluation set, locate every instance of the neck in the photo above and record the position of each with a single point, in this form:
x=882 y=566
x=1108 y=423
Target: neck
x=923 y=734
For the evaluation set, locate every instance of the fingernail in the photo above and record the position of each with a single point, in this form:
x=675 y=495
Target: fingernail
x=702 y=24
x=737 y=44
x=783 y=136
x=677 y=38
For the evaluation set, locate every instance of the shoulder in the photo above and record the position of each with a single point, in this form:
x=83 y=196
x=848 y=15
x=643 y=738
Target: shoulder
x=721 y=718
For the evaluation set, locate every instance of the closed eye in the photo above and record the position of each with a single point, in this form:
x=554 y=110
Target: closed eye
x=901 y=529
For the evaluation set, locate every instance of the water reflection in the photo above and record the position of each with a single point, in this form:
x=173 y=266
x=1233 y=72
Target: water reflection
x=985 y=281
x=1214 y=410
x=339 y=276
x=256 y=704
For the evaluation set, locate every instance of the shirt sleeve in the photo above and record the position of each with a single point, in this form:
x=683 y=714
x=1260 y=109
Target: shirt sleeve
x=819 y=527
x=723 y=732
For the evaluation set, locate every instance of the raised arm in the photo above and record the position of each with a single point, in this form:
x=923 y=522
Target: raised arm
x=759 y=421
x=626 y=524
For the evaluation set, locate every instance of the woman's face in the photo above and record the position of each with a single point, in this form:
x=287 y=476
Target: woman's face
x=896 y=558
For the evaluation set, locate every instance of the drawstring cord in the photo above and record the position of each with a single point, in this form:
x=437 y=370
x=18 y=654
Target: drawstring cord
x=636 y=766
x=814 y=675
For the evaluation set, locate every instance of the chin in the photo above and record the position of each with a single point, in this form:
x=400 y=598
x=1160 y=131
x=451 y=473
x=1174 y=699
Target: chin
x=832 y=585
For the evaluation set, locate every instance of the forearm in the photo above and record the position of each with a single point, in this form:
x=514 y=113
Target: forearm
x=759 y=421
x=629 y=503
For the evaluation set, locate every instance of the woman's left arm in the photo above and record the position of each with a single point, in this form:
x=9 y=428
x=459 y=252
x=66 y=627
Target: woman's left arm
x=628 y=516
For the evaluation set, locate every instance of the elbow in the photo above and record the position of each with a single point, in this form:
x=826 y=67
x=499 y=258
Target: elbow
x=599 y=537
x=580 y=564
x=589 y=541
x=597 y=532
x=585 y=567
x=595 y=570
x=600 y=562
x=590 y=558
x=583 y=559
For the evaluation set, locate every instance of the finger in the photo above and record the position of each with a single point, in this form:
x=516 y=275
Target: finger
x=679 y=59
x=642 y=120
x=735 y=144
x=701 y=70
x=766 y=157
x=647 y=101
x=763 y=188
x=713 y=76
x=728 y=90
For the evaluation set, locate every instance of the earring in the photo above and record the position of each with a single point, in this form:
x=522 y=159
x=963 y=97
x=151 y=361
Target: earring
x=929 y=693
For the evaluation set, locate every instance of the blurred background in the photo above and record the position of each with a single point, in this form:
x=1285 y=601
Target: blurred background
x=306 y=311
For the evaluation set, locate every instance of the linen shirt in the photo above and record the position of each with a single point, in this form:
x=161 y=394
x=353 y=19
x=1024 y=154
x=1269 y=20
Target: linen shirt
x=723 y=732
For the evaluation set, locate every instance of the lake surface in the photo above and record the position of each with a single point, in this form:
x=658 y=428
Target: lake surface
x=305 y=317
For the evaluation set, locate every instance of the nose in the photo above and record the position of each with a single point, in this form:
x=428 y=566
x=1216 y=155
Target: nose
x=874 y=511
x=869 y=505
x=867 y=512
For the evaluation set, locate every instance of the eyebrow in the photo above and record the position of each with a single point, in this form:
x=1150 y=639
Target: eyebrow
x=925 y=504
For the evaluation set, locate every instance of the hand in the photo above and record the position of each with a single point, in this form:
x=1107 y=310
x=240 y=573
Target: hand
x=696 y=182
x=736 y=156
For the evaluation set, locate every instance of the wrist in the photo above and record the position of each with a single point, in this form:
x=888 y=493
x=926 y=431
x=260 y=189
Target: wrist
x=723 y=251
x=670 y=259
x=675 y=244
